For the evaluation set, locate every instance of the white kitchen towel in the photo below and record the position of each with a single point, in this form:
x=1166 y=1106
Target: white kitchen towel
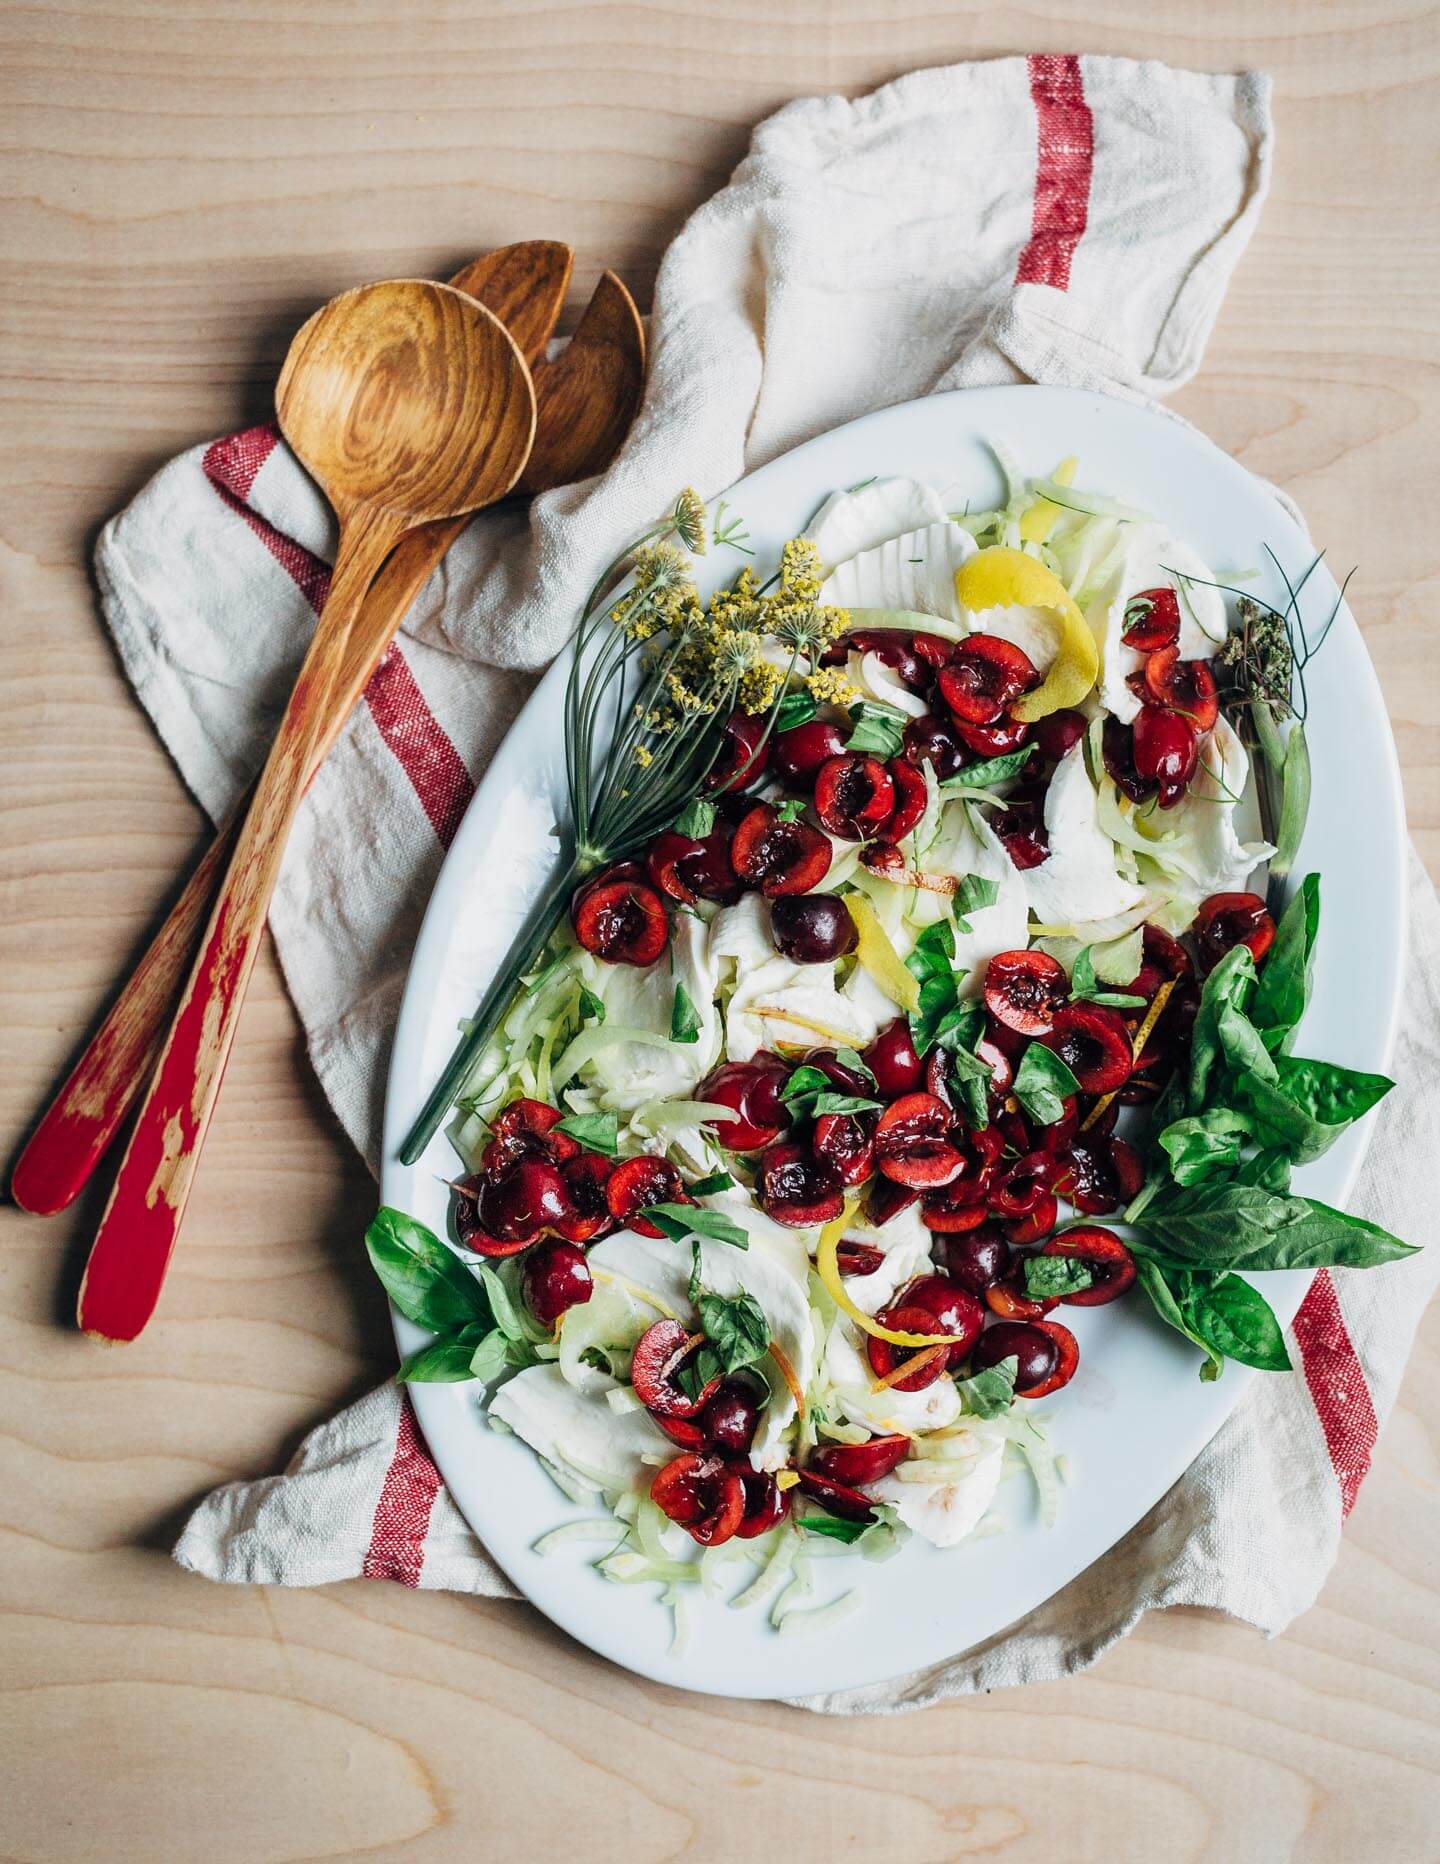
x=1057 y=219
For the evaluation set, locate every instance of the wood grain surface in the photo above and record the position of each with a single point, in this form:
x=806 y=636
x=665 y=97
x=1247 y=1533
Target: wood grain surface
x=181 y=181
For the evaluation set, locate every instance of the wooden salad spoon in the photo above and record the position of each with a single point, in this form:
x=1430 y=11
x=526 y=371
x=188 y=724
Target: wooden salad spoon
x=407 y=402
x=586 y=400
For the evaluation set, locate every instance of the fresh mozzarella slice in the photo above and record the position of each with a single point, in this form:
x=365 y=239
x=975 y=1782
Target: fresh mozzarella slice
x=798 y=1003
x=887 y=1411
x=967 y=845
x=643 y=997
x=946 y=1510
x=914 y=572
x=577 y=1430
x=1080 y=881
x=872 y=679
x=662 y=1268
x=849 y=522
x=905 y=1243
x=743 y=932
x=1035 y=630
x=1154 y=560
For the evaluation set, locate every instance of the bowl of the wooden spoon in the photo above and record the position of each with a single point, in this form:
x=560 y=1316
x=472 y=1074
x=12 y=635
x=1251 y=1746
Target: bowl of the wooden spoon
x=407 y=397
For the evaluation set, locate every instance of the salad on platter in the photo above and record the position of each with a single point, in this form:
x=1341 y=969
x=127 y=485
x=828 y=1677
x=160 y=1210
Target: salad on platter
x=902 y=986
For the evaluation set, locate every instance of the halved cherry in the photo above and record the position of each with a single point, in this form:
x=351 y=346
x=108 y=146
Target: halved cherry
x=703 y=1494
x=1117 y=753
x=999 y=1048
x=846 y=1141
x=913 y=1144
x=1094 y=1045
x=682 y=1430
x=1229 y=919
x=659 y=1353
x=798 y=1189
x=977 y=1260
x=947 y=1217
x=1007 y=1298
x=955 y=1310
x=1026 y=847
x=1155 y=624
x=854 y=796
x=796 y=755
x=637 y=1183
x=620 y=917
x=521 y=1201
x=891 y=1058
x=984 y=677
x=1162 y=958
x=894 y=649
x=1006 y=734
x=766 y=1503
x=1025 y=1186
x=471 y=1231
x=557 y=1278
x=779 y=857
x=1111 y=1265
x=1043 y=1348
x=585 y=1179
x=1025 y=990
x=1103 y=1174
x=1166 y=751
x=525 y=1128
x=885 y=1200
x=836 y=1498
x=743 y=755
x=1186 y=686
x=1036 y=1223
x=855 y=1464
x=935 y=741
x=839 y=1074
x=959 y=1204
x=853 y=1258
x=884 y=1356
x=751 y=1089
x=1058 y=733
x=909 y=798
x=689 y=870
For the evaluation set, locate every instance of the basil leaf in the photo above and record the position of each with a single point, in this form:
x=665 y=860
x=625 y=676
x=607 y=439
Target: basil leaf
x=1204 y=1145
x=677 y=1221
x=879 y=730
x=592 y=1008
x=1286 y=976
x=934 y=953
x=696 y=1373
x=442 y=1362
x=1238 y=1323
x=969 y=1078
x=1157 y=1283
x=508 y=1318
x=696 y=819
x=735 y=1325
x=1247 y=1227
x=797 y=708
x=991 y=1392
x=1310 y=1103
x=597 y=1132
x=684 y=1017
x=991 y=771
x=1270 y=1169
x=844 y=1103
x=1227 y=987
x=973 y=894
x=427 y=1281
x=790 y=809
x=1046 y=1276
x=803 y=1082
x=1043 y=1084
x=717 y=1181
x=1085 y=986
x=491 y=1357
x=829 y=1527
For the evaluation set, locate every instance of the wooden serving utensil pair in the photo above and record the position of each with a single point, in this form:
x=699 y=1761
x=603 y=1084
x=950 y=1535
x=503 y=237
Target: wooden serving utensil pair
x=413 y=405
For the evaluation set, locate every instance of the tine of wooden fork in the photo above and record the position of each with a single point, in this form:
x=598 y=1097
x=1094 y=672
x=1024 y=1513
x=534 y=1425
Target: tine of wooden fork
x=586 y=399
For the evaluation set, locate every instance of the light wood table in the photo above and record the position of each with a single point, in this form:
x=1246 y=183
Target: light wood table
x=181 y=181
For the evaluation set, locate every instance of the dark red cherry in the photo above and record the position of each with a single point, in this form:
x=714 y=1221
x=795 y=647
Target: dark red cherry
x=1103 y=1173
x=524 y=1199
x=619 y=917
x=798 y=1189
x=856 y=1464
x=845 y=1141
x=659 y=1353
x=1005 y=735
x=852 y=1258
x=585 y=1179
x=1025 y=990
x=1024 y=1186
x=1025 y=1341
x=744 y=752
x=1162 y=958
x=637 y=1183
x=1117 y=752
x=557 y=1277
x=1186 y=686
x=885 y=1200
x=704 y=1494
x=1036 y=1224
x=984 y=678
x=525 y=1129
x=976 y=1259
x=796 y=755
x=895 y=649
x=836 y=1498
x=730 y=1418
x=1152 y=620
x=935 y=741
x=777 y=856
x=909 y=799
x=1229 y=919
x=752 y=1090
x=1058 y=733
x=891 y=1058
x=812 y=928
x=956 y=1311
x=1166 y=752
x=913 y=1143
x=885 y=1356
x=766 y=1503
x=688 y=870
x=1094 y=1044
x=854 y=796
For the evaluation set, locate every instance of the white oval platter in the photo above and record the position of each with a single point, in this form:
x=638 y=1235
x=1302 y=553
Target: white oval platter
x=1136 y=1414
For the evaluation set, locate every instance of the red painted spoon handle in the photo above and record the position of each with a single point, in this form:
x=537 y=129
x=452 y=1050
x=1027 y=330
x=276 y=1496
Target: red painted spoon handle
x=137 y=1233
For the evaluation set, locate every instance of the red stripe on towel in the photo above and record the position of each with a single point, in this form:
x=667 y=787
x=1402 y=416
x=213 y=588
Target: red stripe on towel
x=419 y=743
x=402 y=1514
x=1337 y=1386
x=1065 y=133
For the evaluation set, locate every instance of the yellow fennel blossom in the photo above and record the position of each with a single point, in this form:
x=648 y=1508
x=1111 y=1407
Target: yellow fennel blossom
x=800 y=576
x=829 y=686
x=759 y=686
x=688 y=519
x=644 y=756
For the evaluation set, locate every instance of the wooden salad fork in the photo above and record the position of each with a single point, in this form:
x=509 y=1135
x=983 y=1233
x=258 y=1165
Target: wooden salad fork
x=586 y=399
x=407 y=402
